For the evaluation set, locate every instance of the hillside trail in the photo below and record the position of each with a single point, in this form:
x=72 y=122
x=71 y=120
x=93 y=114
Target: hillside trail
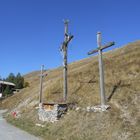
x=9 y=132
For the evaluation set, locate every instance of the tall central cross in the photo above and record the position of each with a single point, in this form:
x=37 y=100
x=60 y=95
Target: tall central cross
x=101 y=68
x=64 y=48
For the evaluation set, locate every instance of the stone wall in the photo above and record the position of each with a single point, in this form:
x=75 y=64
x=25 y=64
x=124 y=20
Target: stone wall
x=51 y=112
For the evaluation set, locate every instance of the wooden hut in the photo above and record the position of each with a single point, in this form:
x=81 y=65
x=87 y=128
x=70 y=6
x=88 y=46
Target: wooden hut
x=3 y=85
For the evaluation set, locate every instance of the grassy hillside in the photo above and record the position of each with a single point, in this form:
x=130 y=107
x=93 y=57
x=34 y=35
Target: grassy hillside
x=122 y=85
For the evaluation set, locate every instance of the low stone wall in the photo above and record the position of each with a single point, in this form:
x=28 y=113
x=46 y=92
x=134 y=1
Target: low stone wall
x=51 y=112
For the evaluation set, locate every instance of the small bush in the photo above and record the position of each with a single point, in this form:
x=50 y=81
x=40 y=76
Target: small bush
x=26 y=84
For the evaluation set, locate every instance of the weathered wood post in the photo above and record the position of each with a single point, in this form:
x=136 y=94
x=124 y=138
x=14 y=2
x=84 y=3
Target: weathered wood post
x=65 y=84
x=101 y=70
x=41 y=85
x=64 y=48
x=101 y=66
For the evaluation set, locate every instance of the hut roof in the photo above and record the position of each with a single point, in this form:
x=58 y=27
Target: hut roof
x=7 y=83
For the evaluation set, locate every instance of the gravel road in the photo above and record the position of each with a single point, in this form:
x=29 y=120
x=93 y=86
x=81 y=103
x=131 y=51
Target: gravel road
x=9 y=132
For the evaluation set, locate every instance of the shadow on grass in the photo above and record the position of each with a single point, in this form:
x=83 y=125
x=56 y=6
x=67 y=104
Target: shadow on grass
x=115 y=87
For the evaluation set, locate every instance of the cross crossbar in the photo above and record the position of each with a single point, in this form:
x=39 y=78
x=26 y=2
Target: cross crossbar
x=101 y=48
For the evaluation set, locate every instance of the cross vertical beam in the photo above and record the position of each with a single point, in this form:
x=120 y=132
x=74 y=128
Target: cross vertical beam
x=101 y=70
x=65 y=84
x=41 y=85
x=66 y=22
x=101 y=66
x=64 y=49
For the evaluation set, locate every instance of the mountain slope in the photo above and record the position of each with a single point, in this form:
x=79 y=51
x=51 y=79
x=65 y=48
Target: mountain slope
x=122 y=85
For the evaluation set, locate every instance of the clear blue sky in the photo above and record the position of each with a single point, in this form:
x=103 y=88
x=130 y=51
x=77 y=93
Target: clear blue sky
x=31 y=31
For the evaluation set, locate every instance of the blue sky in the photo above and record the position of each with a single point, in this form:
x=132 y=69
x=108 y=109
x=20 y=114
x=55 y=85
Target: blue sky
x=31 y=31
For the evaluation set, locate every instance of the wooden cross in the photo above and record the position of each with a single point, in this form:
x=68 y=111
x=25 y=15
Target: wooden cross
x=101 y=68
x=41 y=84
x=64 y=48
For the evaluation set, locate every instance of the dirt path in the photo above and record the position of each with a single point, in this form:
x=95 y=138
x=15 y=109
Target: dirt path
x=9 y=132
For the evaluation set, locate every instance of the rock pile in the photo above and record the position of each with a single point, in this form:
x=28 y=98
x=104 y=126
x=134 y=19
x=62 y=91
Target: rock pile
x=98 y=108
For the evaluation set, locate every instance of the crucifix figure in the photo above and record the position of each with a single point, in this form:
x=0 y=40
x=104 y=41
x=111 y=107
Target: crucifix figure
x=64 y=48
x=101 y=68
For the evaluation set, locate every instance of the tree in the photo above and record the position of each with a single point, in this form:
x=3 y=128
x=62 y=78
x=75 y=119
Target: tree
x=7 y=91
x=11 y=78
x=19 y=81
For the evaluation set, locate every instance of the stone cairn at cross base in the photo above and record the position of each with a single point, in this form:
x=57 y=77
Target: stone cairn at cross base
x=51 y=112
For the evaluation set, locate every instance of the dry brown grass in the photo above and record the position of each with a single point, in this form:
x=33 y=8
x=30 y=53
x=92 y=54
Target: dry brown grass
x=122 y=80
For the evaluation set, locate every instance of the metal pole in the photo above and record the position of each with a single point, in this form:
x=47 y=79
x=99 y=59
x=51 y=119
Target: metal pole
x=65 y=84
x=101 y=71
x=41 y=84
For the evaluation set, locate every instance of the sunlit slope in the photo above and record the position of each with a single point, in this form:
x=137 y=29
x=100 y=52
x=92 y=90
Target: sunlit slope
x=122 y=86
